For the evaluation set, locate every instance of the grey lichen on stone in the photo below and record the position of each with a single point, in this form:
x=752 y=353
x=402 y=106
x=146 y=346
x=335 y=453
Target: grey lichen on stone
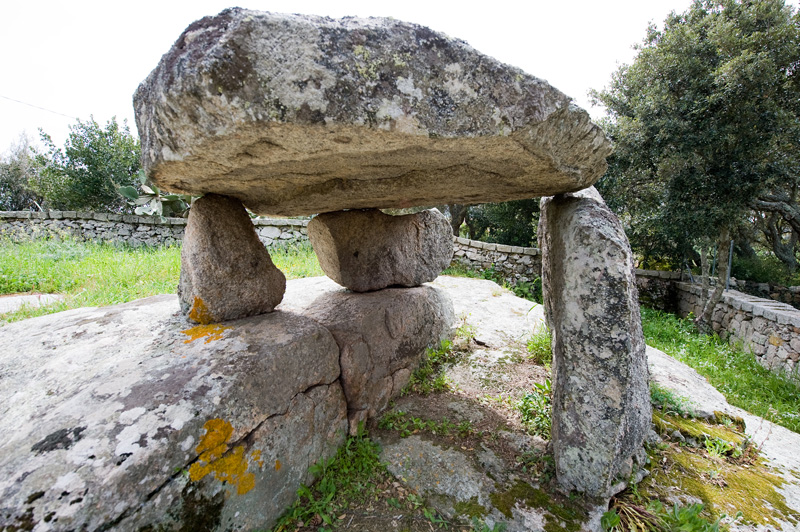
x=298 y=114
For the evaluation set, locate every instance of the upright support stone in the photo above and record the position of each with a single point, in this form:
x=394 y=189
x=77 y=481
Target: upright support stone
x=226 y=272
x=601 y=402
x=366 y=250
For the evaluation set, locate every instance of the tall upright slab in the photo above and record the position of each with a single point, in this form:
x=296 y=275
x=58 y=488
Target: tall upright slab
x=601 y=401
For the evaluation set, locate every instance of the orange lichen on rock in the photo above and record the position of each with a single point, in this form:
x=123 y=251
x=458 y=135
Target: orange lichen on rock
x=209 y=332
x=200 y=312
x=230 y=467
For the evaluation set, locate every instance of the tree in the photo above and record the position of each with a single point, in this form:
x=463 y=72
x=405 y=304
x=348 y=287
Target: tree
x=706 y=121
x=511 y=222
x=15 y=171
x=86 y=174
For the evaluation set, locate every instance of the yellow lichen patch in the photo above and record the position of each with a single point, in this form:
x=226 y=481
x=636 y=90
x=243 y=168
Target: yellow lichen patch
x=200 y=312
x=209 y=332
x=255 y=456
x=230 y=467
x=725 y=485
x=277 y=465
x=694 y=428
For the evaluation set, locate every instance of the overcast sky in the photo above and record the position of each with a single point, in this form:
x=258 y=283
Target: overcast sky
x=80 y=58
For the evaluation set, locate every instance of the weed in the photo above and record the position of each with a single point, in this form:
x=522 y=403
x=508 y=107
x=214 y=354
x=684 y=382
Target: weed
x=537 y=464
x=404 y=424
x=719 y=448
x=667 y=401
x=479 y=525
x=338 y=481
x=625 y=516
x=535 y=409
x=430 y=376
x=540 y=347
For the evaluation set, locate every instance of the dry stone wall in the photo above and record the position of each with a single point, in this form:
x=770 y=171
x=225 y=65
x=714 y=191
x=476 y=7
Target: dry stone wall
x=513 y=263
x=770 y=329
x=128 y=229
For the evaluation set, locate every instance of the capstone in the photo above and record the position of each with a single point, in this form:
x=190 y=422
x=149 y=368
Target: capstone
x=298 y=114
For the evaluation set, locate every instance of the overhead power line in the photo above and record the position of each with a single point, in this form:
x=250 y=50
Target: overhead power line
x=38 y=107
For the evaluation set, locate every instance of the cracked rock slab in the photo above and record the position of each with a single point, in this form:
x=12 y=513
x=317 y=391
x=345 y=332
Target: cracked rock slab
x=366 y=250
x=298 y=114
x=382 y=336
x=128 y=416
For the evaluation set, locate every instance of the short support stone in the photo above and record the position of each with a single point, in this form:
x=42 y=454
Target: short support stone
x=368 y=250
x=226 y=272
x=601 y=402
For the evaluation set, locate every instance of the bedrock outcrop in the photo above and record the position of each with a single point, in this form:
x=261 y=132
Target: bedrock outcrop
x=130 y=418
x=601 y=403
x=368 y=250
x=298 y=114
x=382 y=336
x=226 y=272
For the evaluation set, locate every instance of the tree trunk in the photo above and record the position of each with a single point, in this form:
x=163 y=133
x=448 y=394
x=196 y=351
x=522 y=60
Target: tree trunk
x=783 y=250
x=703 y=321
x=458 y=214
x=704 y=268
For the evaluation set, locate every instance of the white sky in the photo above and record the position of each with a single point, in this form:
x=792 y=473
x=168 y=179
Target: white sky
x=82 y=58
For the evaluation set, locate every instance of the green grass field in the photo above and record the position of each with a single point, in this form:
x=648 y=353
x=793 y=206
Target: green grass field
x=89 y=274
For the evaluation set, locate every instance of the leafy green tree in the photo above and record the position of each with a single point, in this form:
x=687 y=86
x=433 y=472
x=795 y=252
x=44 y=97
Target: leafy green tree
x=86 y=174
x=511 y=222
x=15 y=171
x=706 y=121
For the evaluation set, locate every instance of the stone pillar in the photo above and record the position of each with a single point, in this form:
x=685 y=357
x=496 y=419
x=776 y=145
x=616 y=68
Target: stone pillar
x=601 y=400
x=367 y=250
x=226 y=272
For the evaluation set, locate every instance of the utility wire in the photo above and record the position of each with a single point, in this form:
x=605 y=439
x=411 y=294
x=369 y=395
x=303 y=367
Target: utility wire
x=37 y=107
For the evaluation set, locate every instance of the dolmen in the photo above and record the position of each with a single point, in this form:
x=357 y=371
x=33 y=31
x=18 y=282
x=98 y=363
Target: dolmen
x=204 y=412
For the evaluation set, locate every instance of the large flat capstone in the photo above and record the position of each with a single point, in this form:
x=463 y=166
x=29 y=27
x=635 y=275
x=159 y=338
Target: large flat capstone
x=297 y=114
x=131 y=418
x=601 y=401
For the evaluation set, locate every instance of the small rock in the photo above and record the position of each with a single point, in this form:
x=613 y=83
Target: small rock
x=368 y=250
x=226 y=272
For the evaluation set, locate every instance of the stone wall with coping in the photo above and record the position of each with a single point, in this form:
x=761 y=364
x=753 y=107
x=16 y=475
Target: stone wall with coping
x=769 y=329
x=513 y=263
x=127 y=229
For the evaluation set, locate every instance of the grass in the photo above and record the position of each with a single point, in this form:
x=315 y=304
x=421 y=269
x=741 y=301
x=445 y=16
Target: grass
x=539 y=347
x=731 y=370
x=91 y=274
x=86 y=274
x=340 y=481
x=669 y=402
x=536 y=408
